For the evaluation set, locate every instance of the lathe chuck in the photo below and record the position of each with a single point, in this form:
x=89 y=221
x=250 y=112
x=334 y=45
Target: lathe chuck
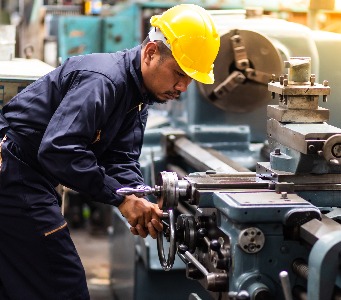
x=242 y=70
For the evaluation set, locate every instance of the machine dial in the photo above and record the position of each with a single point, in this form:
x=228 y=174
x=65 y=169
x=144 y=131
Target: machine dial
x=332 y=149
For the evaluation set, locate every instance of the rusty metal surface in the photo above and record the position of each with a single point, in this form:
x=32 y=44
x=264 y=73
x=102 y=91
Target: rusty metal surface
x=297 y=90
x=300 y=102
x=297 y=115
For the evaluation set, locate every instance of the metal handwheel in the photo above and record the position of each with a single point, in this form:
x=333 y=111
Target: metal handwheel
x=167 y=264
x=167 y=191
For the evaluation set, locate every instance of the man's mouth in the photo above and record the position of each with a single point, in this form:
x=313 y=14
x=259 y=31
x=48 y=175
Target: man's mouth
x=173 y=95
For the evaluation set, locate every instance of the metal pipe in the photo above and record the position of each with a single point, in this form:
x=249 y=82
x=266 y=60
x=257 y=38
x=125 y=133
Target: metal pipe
x=285 y=285
x=200 y=158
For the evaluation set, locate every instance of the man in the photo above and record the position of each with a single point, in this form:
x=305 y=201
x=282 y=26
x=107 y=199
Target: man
x=82 y=126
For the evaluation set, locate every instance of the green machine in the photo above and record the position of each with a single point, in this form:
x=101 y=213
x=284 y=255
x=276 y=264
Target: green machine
x=125 y=27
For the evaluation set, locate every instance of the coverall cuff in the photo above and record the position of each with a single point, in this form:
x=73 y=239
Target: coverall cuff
x=108 y=193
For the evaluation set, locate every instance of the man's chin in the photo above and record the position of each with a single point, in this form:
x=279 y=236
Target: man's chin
x=161 y=101
x=164 y=98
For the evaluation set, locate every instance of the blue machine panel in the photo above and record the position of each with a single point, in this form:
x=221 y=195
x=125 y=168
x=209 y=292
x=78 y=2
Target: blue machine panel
x=120 y=32
x=79 y=35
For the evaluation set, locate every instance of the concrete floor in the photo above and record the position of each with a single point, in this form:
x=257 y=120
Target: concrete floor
x=94 y=253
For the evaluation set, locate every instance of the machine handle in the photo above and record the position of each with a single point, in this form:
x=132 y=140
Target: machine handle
x=284 y=277
x=139 y=191
x=167 y=264
x=212 y=281
x=183 y=251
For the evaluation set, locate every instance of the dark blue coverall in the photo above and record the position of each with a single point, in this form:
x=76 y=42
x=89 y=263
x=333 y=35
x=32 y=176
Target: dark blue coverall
x=80 y=126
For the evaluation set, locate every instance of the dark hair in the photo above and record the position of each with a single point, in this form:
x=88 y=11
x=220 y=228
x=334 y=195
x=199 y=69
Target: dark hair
x=165 y=52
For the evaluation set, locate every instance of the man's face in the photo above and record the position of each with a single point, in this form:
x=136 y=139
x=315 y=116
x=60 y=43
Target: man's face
x=163 y=78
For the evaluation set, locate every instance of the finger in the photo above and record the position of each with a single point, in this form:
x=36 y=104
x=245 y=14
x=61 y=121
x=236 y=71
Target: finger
x=152 y=231
x=140 y=220
x=132 y=222
x=156 y=212
x=147 y=218
x=155 y=216
x=141 y=231
x=133 y=231
x=157 y=225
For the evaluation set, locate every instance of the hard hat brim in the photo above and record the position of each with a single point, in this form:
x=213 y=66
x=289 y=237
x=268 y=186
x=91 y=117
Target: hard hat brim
x=207 y=78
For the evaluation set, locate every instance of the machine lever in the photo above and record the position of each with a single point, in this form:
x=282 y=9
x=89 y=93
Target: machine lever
x=285 y=285
x=213 y=244
x=183 y=251
x=258 y=76
x=228 y=85
x=212 y=281
x=139 y=191
x=216 y=246
x=240 y=55
x=165 y=215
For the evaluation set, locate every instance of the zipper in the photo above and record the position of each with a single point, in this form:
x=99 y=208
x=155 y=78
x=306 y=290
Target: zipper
x=2 y=141
x=138 y=106
x=56 y=229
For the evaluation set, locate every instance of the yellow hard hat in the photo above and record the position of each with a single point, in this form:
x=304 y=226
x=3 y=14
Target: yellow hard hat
x=193 y=39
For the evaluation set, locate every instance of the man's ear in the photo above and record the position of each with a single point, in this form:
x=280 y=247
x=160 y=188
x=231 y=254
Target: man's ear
x=149 y=52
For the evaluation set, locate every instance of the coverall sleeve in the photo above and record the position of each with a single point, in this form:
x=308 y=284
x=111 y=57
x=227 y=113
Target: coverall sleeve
x=64 y=150
x=121 y=158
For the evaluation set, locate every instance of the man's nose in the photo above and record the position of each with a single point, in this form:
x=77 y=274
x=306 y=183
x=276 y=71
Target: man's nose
x=182 y=84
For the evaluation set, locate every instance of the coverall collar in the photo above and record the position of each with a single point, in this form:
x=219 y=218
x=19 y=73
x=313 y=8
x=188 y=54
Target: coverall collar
x=135 y=70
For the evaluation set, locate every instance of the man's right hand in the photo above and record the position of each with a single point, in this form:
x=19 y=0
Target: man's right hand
x=142 y=215
x=153 y=228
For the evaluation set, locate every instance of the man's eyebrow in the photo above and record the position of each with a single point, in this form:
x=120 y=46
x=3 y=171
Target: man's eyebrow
x=180 y=72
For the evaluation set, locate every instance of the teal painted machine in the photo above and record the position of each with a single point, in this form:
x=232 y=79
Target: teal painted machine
x=79 y=35
x=125 y=26
x=241 y=228
x=269 y=234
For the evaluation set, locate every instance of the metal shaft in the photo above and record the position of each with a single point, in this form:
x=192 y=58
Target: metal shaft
x=286 y=285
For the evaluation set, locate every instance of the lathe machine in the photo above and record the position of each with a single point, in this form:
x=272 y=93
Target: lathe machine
x=270 y=234
x=247 y=171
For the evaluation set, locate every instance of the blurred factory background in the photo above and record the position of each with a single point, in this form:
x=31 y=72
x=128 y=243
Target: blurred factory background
x=219 y=128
